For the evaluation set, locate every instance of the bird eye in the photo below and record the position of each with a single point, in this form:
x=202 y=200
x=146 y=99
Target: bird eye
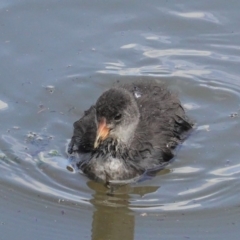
x=118 y=117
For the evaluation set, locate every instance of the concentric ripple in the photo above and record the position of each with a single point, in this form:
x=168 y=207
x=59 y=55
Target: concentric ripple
x=202 y=174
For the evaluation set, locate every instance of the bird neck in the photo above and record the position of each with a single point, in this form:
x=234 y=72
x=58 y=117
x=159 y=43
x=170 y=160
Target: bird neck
x=114 y=147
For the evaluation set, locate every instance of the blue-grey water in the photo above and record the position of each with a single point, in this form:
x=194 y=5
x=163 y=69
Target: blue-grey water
x=57 y=57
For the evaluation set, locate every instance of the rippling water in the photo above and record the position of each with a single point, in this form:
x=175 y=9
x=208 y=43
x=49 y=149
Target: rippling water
x=58 y=57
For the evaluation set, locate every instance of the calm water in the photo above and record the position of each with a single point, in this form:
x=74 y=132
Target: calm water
x=57 y=57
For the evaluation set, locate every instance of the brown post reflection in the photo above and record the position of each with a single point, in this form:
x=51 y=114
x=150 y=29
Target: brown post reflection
x=112 y=223
x=112 y=218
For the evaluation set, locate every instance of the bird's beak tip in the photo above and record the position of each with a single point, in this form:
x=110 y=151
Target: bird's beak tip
x=102 y=132
x=95 y=144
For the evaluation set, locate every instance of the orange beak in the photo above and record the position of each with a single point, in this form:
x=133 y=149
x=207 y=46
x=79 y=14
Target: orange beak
x=102 y=132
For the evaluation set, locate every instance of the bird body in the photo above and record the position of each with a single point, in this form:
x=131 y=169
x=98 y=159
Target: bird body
x=132 y=128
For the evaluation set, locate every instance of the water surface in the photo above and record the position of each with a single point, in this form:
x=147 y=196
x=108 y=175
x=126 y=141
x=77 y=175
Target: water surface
x=57 y=57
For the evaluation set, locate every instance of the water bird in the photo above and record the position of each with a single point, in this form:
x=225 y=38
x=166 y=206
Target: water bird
x=131 y=129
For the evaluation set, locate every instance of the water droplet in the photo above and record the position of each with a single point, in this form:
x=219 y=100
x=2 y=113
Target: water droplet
x=137 y=94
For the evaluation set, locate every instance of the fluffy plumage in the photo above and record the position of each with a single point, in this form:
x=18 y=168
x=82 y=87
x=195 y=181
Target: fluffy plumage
x=144 y=123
